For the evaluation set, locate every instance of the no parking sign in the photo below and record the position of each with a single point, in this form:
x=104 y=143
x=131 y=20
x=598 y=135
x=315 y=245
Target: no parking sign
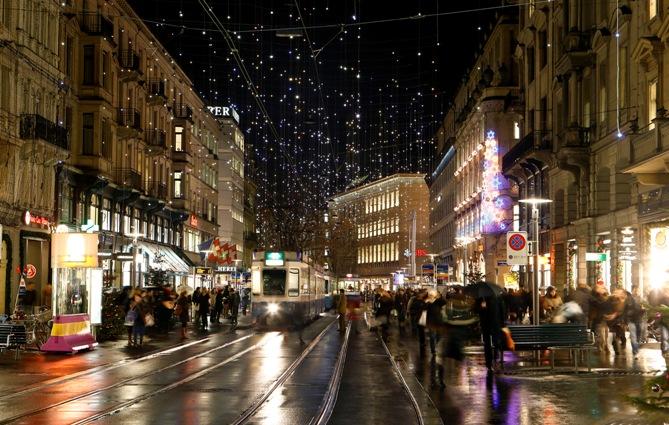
x=516 y=248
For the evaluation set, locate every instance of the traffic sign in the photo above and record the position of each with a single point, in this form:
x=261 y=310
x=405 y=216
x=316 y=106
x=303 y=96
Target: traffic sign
x=31 y=271
x=516 y=248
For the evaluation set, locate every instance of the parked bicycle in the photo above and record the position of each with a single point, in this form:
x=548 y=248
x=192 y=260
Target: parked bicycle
x=38 y=327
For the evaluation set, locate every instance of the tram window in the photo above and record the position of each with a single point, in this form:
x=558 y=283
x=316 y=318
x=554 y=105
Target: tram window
x=274 y=282
x=294 y=283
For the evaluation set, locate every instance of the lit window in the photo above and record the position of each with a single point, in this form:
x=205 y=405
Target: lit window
x=178 y=189
x=178 y=138
x=652 y=9
x=652 y=104
x=516 y=130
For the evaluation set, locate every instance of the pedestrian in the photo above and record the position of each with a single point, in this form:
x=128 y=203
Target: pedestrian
x=551 y=303
x=435 y=322
x=203 y=308
x=383 y=312
x=341 y=310
x=218 y=306
x=181 y=312
x=226 y=301
x=658 y=306
x=139 y=326
x=584 y=298
x=416 y=308
x=615 y=319
x=195 y=299
x=633 y=315
x=234 y=300
x=124 y=300
x=492 y=312
x=598 y=312
x=246 y=300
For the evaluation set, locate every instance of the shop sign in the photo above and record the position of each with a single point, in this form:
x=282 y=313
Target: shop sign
x=421 y=252
x=224 y=111
x=29 y=219
x=202 y=270
x=74 y=250
x=275 y=258
x=123 y=256
x=516 y=248
x=193 y=220
x=595 y=256
x=428 y=269
x=30 y=271
x=226 y=269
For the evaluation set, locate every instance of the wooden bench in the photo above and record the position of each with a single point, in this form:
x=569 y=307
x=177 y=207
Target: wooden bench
x=12 y=336
x=553 y=337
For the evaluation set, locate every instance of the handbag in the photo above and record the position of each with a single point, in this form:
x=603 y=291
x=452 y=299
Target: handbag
x=422 y=320
x=149 y=320
x=130 y=318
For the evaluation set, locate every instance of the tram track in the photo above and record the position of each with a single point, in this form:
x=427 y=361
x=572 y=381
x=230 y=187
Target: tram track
x=125 y=381
x=101 y=368
x=246 y=415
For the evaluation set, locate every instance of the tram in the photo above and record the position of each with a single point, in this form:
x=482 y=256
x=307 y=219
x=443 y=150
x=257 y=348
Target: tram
x=287 y=289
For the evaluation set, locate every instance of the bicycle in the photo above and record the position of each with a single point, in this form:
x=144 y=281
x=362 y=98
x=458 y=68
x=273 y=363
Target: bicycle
x=38 y=327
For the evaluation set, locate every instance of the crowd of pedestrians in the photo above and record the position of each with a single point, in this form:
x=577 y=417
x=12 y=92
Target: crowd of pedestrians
x=162 y=308
x=456 y=316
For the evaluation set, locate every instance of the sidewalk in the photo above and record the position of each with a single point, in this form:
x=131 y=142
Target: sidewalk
x=525 y=393
x=34 y=367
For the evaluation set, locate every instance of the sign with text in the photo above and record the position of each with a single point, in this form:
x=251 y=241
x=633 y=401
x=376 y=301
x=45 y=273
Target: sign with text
x=516 y=248
x=202 y=270
x=224 y=112
x=274 y=258
x=595 y=256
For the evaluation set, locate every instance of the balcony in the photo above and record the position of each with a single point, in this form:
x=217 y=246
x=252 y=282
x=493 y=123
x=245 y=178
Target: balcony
x=129 y=61
x=127 y=177
x=183 y=112
x=35 y=126
x=156 y=189
x=156 y=141
x=575 y=137
x=536 y=143
x=129 y=122
x=577 y=52
x=182 y=155
x=156 y=92
x=95 y=24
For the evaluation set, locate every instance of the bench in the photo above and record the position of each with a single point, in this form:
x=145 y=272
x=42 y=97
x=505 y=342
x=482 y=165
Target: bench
x=12 y=336
x=554 y=336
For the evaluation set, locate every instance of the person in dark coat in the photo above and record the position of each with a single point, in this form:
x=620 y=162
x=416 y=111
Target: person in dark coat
x=383 y=312
x=218 y=306
x=234 y=300
x=435 y=321
x=181 y=311
x=416 y=307
x=583 y=297
x=203 y=308
x=492 y=313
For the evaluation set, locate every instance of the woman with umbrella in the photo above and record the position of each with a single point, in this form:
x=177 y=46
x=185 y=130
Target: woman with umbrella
x=491 y=309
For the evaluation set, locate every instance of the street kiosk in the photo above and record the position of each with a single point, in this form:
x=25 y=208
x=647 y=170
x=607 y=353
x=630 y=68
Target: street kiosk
x=77 y=292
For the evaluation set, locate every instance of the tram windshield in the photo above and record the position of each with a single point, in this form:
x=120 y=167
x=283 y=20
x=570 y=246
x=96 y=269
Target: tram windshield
x=274 y=282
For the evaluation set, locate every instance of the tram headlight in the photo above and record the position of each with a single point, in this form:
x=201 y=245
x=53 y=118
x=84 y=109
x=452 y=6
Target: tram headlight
x=272 y=308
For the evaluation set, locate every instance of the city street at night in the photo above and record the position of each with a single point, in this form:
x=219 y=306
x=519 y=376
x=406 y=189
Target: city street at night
x=334 y=212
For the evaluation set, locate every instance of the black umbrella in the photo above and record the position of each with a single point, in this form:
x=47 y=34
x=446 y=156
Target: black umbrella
x=483 y=290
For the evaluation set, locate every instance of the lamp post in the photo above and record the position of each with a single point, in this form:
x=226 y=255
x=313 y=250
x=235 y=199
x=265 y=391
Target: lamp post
x=133 y=266
x=465 y=241
x=535 y=202
x=434 y=269
x=206 y=253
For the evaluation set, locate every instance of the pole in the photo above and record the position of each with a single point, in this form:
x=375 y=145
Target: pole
x=413 y=243
x=133 y=271
x=535 y=297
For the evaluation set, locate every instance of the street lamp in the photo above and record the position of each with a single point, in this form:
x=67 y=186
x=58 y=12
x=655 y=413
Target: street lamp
x=133 y=269
x=465 y=241
x=206 y=253
x=535 y=202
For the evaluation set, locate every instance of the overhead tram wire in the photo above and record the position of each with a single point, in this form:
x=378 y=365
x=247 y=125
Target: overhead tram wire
x=321 y=107
x=249 y=82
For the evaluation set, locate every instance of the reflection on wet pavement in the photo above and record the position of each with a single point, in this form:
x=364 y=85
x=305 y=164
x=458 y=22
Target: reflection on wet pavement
x=471 y=396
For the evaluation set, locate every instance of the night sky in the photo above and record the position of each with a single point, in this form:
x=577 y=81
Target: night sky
x=384 y=86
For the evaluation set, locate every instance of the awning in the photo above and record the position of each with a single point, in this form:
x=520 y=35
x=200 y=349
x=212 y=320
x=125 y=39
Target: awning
x=164 y=256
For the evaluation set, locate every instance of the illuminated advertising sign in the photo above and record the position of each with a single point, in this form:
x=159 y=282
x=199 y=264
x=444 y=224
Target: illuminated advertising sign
x=224 y=112
x=274 y=258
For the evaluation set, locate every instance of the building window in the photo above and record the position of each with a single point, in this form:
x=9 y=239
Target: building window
x=87 y=137
x=89 y=65
x=178 y=189
x=106 y=139
x=105 y=218
x=543 y=50
x=105 y=71
x=516 y=130
x=178 y=138
x=652 y=104
x=66 y=199
x=530 y=64
x=652 y=9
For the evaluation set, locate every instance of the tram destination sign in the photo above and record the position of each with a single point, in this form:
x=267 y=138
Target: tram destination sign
x=275 y=258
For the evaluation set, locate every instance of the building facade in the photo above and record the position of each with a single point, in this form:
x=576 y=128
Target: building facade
x=116 y=136
x=481 y=125
x=231 y=155
x=384 y=213
x=33 y=140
